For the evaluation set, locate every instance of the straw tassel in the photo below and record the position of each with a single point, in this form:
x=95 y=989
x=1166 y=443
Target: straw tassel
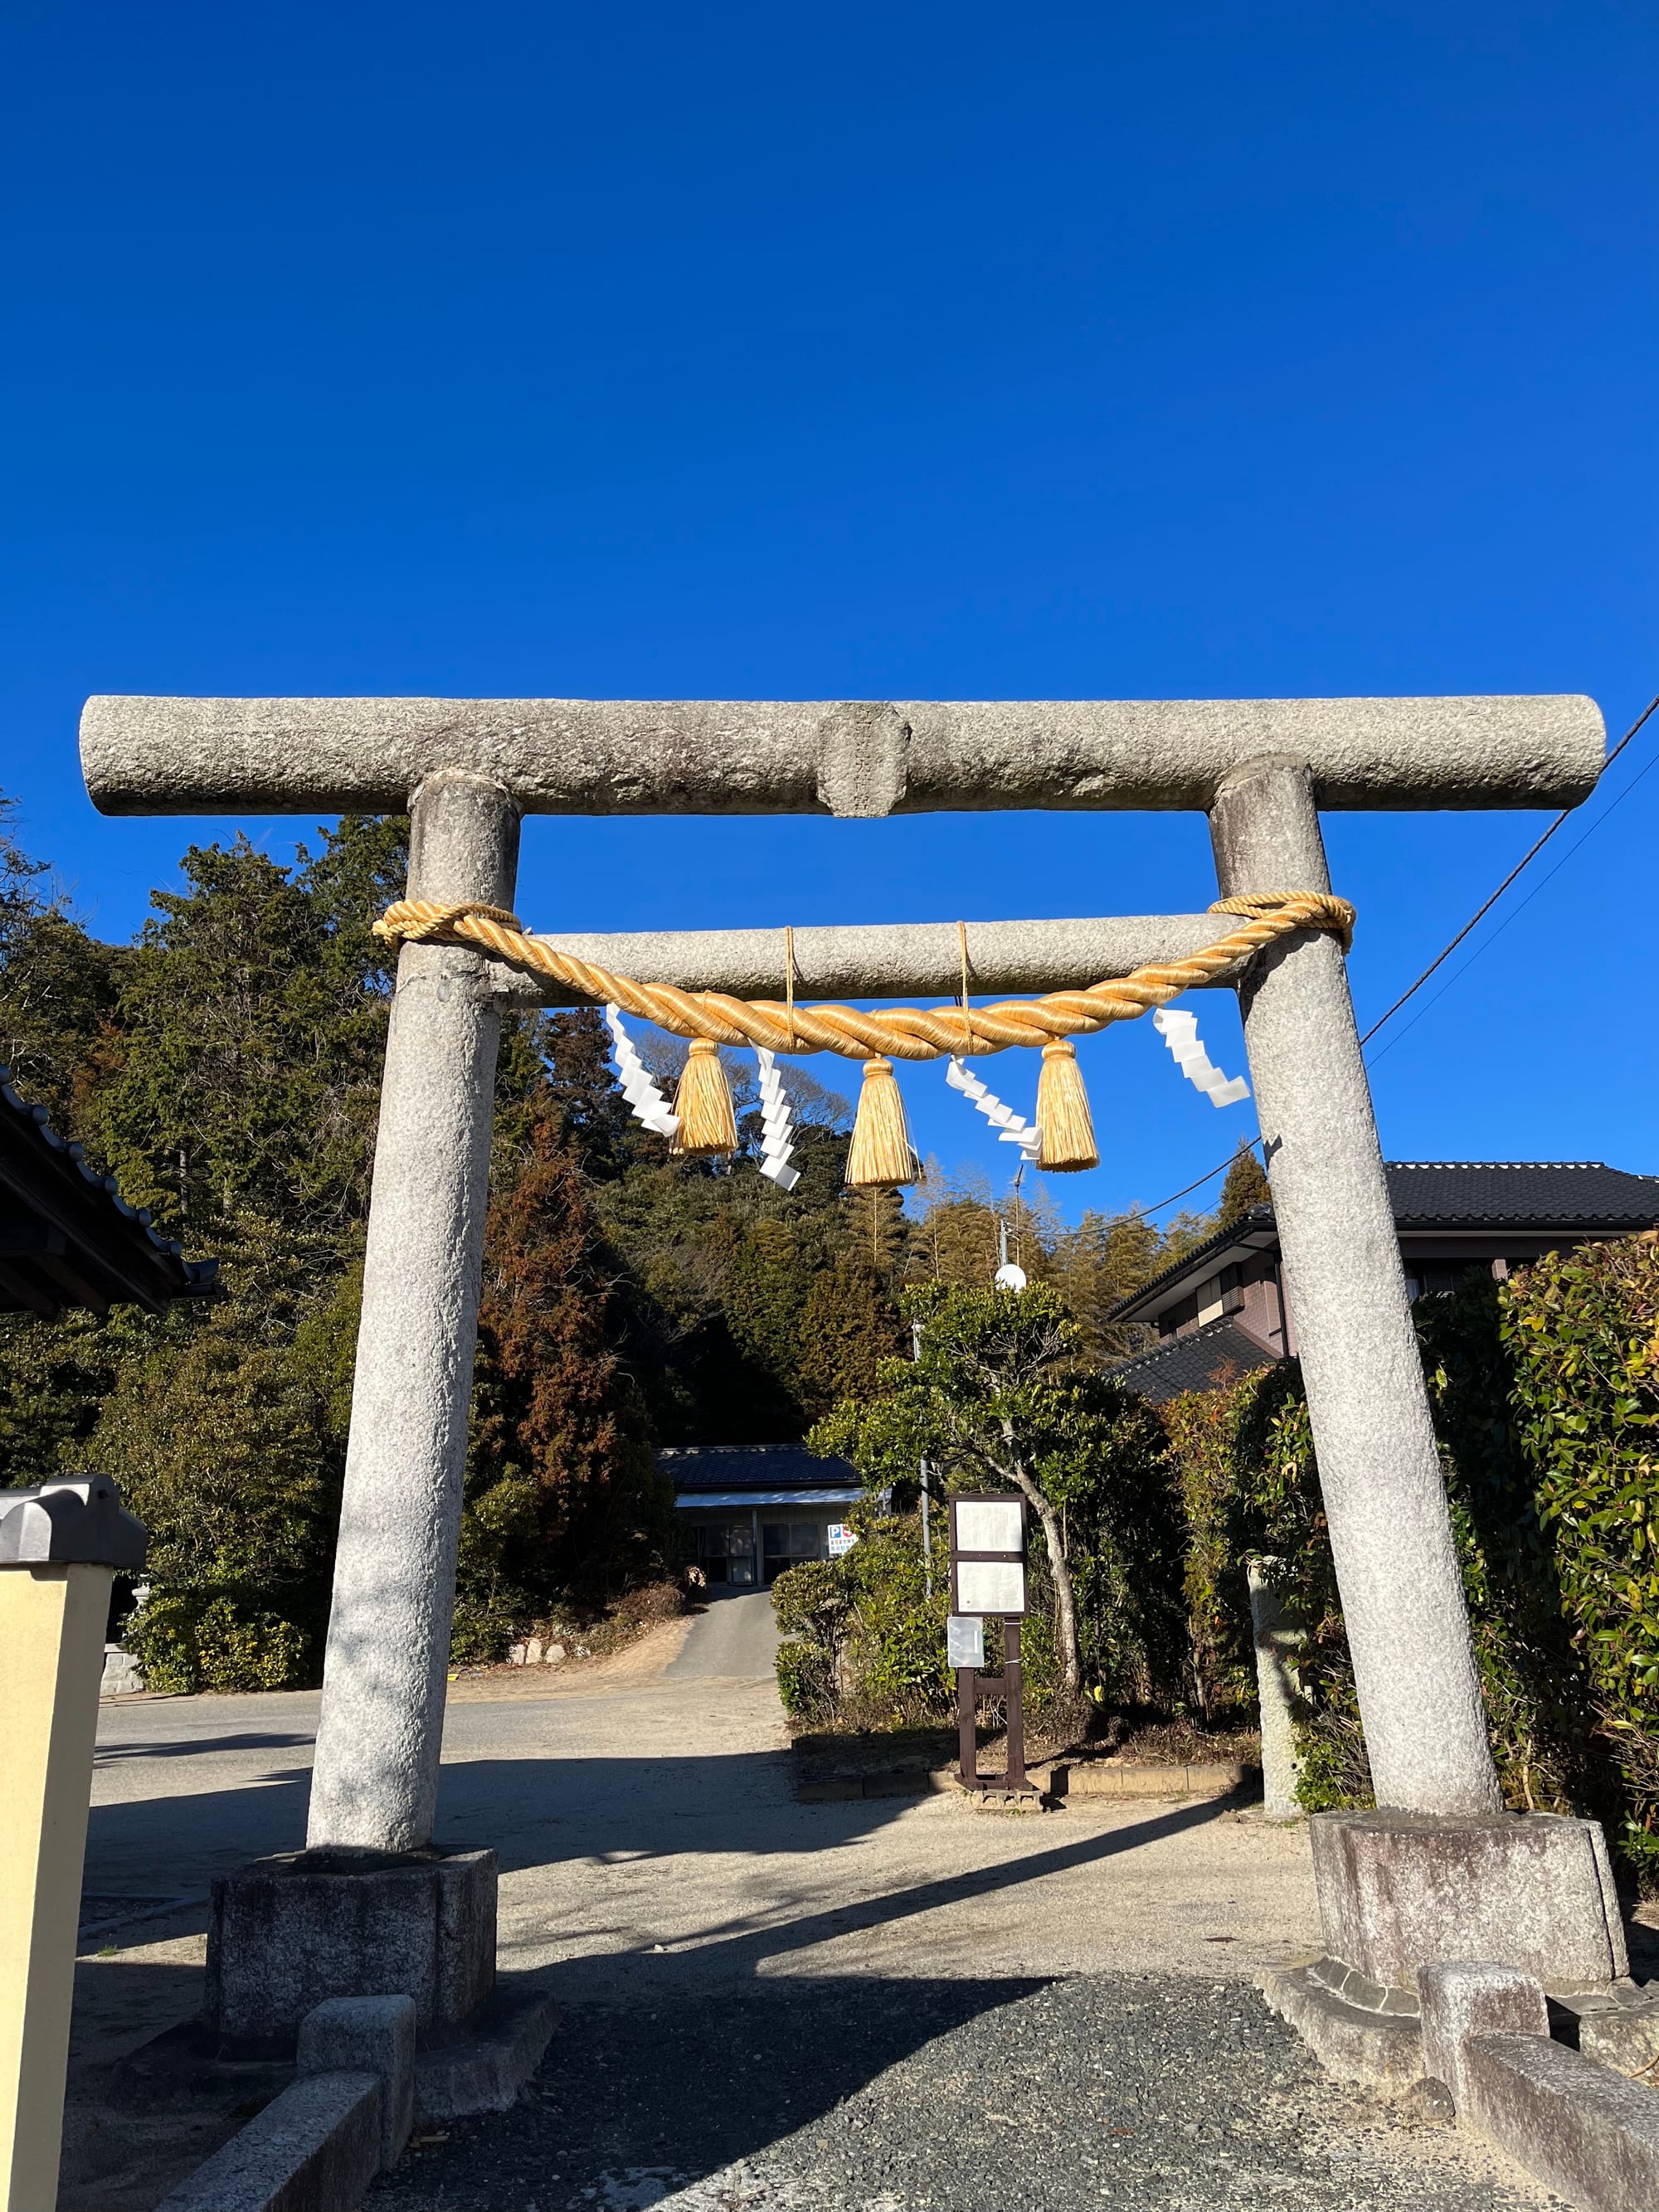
x=1063 y=1112
x=881 y=1158
x=702 y=1105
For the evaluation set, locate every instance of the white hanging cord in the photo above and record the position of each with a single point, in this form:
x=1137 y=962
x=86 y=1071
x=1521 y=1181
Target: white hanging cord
x=777 y=1130
x=1012 y=1128
x=634 y=1080
x=1180 y=1032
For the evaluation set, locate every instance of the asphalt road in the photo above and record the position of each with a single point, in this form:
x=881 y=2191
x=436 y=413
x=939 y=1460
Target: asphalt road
x=735 y=1640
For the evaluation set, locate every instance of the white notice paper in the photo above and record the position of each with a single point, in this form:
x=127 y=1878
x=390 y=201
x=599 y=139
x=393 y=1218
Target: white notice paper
x=991 y=1525
x=990 y=1586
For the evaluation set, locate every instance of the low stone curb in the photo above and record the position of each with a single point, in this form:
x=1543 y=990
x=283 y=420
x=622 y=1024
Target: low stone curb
x=315 y=2148
x=484 y=2070
x=362 y=2082
x=878 y=1781
x=1068 y=1779
x=1106 y=1777
x=1582 y=2130
x=1354 y=2042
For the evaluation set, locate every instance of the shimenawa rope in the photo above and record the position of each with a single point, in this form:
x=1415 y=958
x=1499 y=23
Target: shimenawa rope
x=902 y=1032
x=881 y=1155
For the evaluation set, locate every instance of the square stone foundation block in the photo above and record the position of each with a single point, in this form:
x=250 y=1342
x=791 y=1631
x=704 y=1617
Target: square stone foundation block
x=1531 y=1891
x=286 y=1933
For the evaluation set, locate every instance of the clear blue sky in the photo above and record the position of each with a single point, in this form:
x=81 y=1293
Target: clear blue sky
x=880 y=352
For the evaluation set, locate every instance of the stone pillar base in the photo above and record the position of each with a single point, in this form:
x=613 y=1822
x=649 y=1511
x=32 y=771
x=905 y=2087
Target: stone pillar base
x=1531 y=1891
x=286 y=1933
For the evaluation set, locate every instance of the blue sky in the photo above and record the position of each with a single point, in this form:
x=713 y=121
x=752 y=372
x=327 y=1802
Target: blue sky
x=900 y=352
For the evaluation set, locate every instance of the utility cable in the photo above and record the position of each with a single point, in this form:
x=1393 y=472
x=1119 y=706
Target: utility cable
x=1525 y=862
x=1253 y=1143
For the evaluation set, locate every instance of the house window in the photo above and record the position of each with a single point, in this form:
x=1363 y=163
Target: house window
x=783 y=1543
x=725 y=1551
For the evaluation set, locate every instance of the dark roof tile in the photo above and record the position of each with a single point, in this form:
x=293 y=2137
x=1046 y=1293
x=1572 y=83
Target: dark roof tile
x=107 y=1246
x=1218 y=1353
x=1571 y=1195
x=754 y=1467
x=1547 y=1193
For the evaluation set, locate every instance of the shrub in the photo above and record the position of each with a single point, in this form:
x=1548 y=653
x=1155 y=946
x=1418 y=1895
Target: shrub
x=1582 y=1331
x=806 y=1682
x=185 y=1641
x=863 y=1645
x=1220 y=1668
x=1545 y=1393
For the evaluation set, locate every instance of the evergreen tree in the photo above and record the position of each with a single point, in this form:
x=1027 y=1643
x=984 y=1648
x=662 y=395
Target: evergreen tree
x=1246 y=1185
x=562 y=1487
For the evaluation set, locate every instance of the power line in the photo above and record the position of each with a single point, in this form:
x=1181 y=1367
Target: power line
x=1252 y=1142
x=1245 y=1144
x=1519 y=910
x=1525 y=861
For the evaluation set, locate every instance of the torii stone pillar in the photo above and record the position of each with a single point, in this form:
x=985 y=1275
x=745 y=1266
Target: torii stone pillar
x=375 y=1783
x=1379 y=1472
x=1438 y=1869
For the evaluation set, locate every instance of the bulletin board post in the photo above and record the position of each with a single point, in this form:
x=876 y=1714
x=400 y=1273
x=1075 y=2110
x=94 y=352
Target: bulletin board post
x=988 y=1578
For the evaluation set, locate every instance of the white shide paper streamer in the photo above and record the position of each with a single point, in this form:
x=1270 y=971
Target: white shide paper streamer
x=1011 y=1128
x=641 y=1093
x=1180 y=1032
x=777 y=1131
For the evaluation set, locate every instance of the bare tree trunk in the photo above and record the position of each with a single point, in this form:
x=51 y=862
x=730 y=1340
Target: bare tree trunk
x=1071 y=1658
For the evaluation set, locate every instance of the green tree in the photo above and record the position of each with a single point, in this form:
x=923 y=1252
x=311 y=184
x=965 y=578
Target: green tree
x=253 y=1022
x=1246 y=1185
x=999 y=1395
x=223 y=1444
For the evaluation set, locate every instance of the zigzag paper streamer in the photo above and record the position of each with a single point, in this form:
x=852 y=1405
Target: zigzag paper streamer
x=634 y=1081
x=1012 y=1128
x=777 y=1129
x=1180 y=1032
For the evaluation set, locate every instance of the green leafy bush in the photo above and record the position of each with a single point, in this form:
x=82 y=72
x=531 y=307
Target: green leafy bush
x=806 y=1682
x=1582 y=1331
x=1219 y=1661
x=1545 y=1394
x=864 y=1646
x=1000 y=1397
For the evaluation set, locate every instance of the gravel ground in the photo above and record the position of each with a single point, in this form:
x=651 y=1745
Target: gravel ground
x=861 y=2094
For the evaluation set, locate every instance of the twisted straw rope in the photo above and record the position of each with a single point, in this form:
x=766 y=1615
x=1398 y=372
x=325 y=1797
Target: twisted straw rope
x=901 y=1032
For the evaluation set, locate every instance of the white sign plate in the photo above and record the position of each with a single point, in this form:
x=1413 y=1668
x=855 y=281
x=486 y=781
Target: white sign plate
x=964 y=1641
x=841 y=1539
x=991 y=1586
x=988 y=1525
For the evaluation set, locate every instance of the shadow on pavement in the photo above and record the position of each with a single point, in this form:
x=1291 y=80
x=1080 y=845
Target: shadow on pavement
x=114 y=1754
x=536 y=1812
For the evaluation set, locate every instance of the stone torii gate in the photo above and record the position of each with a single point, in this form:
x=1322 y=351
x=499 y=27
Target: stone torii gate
x=1439 y=1865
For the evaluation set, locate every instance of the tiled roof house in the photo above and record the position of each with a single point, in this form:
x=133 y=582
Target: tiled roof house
x=1220 y=1311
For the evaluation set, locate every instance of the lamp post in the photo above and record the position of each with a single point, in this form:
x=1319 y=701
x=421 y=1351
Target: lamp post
x=60 y=1545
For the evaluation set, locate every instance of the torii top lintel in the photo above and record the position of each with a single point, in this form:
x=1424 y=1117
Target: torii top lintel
x=158 y=755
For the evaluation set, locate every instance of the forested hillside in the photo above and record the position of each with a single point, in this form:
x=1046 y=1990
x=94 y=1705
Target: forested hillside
x=225 y=1067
